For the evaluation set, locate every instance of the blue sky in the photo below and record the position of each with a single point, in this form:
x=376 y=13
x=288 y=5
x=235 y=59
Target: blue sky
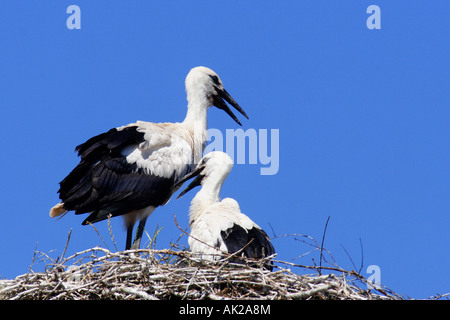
x=362 y=115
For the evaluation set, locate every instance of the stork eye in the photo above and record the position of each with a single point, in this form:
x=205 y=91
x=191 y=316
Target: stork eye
x=203 y=161
x=215 y=79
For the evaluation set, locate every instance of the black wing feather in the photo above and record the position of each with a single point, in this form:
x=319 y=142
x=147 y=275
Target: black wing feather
x=104 y=183
x=256 y=240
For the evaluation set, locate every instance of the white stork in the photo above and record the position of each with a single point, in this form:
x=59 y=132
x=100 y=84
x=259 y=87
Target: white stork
x=219 y=225
x=131 y=170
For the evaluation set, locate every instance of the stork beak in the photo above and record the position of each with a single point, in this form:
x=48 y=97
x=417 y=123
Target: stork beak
x=219 y=103
x=196 y=182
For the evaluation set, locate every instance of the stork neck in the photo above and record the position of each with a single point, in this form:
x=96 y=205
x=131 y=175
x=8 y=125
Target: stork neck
x=202 y=200
x=197 y=113
x=196 y=122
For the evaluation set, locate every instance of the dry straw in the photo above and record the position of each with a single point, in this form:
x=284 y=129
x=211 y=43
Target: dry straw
x=151 y=274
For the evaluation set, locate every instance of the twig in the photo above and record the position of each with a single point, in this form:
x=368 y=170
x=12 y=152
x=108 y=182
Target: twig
x=351 y=260
x=273 y=231
x=98 y=233
x=321 y=245
x=98 y=273
x=32 y=261
x=111 y=234
x=67 y=244
x=309 y=293
x=362 y=256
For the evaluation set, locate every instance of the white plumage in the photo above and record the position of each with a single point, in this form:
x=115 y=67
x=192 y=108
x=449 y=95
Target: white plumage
x=166 y=149
x=219 y=225
x=131 y=170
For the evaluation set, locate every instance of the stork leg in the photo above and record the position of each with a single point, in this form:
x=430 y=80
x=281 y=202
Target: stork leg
x=129 y=236
x=139 y=233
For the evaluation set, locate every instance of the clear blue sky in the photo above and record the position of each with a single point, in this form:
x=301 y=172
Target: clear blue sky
x=363 y=117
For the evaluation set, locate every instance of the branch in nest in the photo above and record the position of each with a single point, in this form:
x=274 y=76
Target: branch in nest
x=97 y=273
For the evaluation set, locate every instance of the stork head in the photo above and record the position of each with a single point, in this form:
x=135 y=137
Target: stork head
x=203 y=84
x=213 y=169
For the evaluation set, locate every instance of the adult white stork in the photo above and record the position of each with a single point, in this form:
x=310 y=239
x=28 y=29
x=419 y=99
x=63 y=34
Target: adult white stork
x=131 y=170
x=219 y=225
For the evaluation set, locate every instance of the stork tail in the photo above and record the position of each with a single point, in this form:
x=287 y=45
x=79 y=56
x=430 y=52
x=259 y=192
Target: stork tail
x=57 y=210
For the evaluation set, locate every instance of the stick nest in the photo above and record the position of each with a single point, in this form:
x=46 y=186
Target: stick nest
x=98 y=273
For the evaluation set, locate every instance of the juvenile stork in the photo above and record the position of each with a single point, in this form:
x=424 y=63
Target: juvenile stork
x=219 y=225
x=131 y=170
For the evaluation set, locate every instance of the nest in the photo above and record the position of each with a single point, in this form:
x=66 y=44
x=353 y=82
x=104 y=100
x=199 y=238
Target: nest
x=150 y=274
